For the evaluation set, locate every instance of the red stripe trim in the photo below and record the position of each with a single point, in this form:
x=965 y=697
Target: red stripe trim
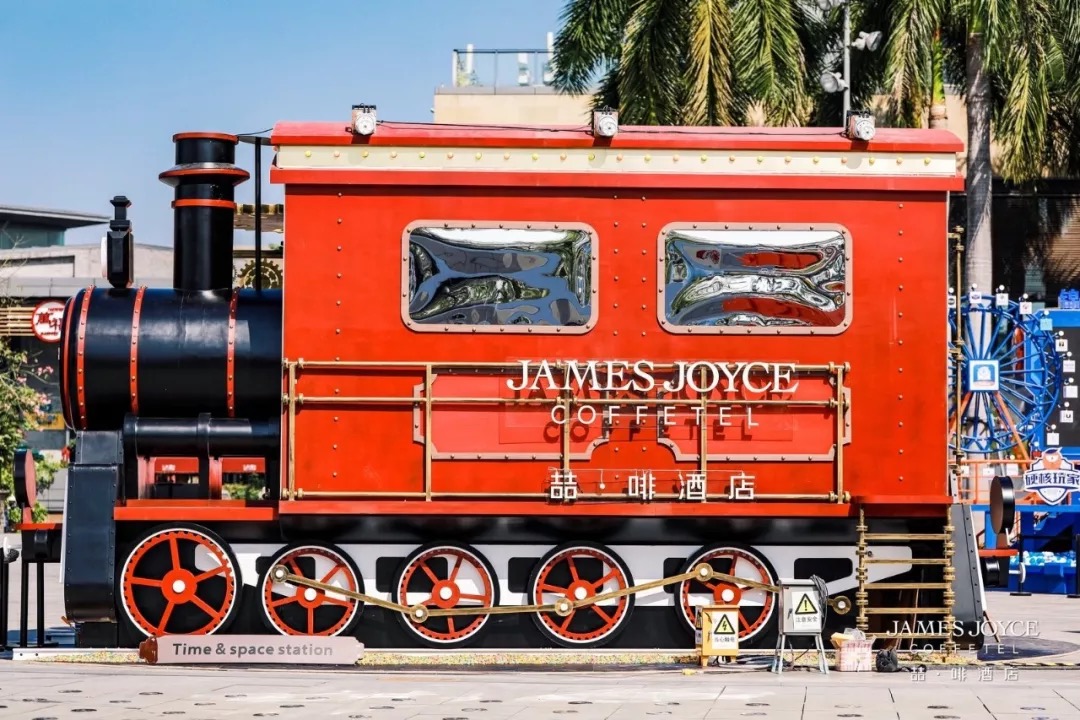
x=204 y=136
x=373 y=506
x=194 y=511
x=205 y=203
x=134 y=354
x=629 y=137
x=424 y=178
x=183 y=172
x=65 y=376
x=80 y=359
x=230 y=358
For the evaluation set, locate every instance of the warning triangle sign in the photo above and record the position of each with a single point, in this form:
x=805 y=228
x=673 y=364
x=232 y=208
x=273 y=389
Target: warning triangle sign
x=724 y=627
x=806 y=606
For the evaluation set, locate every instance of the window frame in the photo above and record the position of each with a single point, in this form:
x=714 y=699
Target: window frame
x=661 y=273
x=594 y=265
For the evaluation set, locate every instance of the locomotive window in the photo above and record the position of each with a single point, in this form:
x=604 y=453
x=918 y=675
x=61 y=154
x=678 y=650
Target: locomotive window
x=511 y=278
x=755 y=279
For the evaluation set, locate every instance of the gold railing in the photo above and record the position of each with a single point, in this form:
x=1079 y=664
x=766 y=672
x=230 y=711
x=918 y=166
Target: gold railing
x=294 y=401
x=969 y=483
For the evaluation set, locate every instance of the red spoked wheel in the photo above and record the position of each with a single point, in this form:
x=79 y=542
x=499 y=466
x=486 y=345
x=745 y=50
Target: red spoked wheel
x=297 y=610
x=180 y=580
x=756 y=606
x=444 y=576
x=574 y=572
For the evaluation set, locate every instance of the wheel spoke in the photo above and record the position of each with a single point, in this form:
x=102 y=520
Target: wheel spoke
x=201 y=604
x=547 y=588
x=457 y=567
x=428 y=571
x=311 y=621
x=573 y=568
x=333 y=571
x=174 y=551
x=146 y=582
x=603 y=615
x=164 y=622
x=284 y=601
x=337 y=601
x=478 y=598
x=210 y=573
x=604 y=580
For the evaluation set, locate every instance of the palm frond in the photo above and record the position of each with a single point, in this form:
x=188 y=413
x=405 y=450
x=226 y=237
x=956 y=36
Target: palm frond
x=708 y=81
x=652 y=62
x=769 y=59
x=1024 y=81
x=911 y=28
x=591 y=35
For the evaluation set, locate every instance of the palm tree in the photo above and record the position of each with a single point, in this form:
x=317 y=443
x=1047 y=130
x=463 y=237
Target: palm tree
x=740 y=62
x=1011 y=61
x=693 y=62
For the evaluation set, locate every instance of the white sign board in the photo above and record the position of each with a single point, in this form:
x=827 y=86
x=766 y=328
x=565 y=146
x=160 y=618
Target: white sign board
x=250 y=650
x=724 y=630
x=801 y=607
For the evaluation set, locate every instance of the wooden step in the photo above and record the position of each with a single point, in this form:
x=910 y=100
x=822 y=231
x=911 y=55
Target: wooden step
x=909 y=561
x=905 y=536
x=907 y=586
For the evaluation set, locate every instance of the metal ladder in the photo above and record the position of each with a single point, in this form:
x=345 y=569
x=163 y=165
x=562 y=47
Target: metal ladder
x=944 y=612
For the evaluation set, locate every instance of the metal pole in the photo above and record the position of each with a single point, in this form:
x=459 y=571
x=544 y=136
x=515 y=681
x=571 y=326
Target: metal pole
x=1075 y=594
x=1020 y=563
x=847 y=62
x=258 y=214
x=24 y=601
x=3 y=604
x=39 y=576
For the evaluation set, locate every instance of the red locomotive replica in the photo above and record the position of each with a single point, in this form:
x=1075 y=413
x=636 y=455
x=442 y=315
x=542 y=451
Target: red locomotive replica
x=522 y=384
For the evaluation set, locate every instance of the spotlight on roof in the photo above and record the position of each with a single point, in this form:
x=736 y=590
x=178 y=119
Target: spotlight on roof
x=832 y=82
x=860 y=125
x=605 y=123
x=867 y=41
x=363 y=119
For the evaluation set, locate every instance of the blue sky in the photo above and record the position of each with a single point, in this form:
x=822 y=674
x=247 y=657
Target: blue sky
x=91 y=91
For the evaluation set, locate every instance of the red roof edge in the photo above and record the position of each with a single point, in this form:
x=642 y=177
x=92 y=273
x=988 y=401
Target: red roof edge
x=804 y=139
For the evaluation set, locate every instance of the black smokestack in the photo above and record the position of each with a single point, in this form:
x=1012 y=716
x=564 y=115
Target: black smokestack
x=204 y=179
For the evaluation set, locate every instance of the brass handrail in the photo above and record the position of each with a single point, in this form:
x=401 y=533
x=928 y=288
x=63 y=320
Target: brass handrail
x=566 y=399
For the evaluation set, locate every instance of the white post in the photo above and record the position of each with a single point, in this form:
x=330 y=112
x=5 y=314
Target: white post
x=847 y=62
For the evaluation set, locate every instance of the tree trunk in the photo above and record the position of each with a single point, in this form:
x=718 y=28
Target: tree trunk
x=980 y=254
x=939 y=116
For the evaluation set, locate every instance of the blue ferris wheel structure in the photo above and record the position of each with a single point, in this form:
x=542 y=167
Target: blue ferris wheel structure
x=1009 y=371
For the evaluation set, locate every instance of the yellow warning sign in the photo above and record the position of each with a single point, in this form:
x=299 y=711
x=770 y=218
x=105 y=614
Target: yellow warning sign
x=806 y=606
x=722 y=636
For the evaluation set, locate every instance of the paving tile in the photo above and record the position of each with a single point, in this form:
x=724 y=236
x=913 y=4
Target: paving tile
x=1026 y=700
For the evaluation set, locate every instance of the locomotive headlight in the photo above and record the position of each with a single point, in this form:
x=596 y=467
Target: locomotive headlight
x=605 y=122
x=860 y=126
x=363 y=119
